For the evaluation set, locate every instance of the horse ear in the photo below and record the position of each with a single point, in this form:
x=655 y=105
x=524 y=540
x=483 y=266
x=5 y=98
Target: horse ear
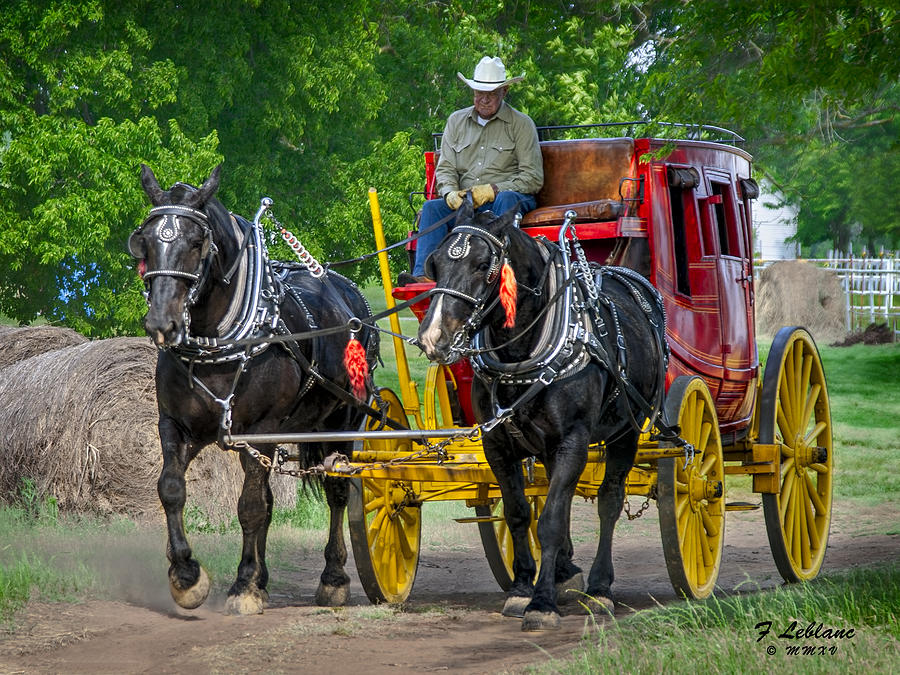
x=502 y=224
x=199 y=198
x=465 y=213
x=151 y=185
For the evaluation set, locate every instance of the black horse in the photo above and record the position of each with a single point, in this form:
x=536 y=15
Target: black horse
x=209 y=281
x=582 y=361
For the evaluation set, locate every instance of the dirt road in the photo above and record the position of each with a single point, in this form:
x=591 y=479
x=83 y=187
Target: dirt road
x=451 y=622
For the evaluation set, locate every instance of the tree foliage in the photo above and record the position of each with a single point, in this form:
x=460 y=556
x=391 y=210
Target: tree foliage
x=313 y=104
x=814 y=88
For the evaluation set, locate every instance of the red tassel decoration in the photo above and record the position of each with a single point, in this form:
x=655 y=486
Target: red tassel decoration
x=508 y=293
x=142 y=268
x=357 y=367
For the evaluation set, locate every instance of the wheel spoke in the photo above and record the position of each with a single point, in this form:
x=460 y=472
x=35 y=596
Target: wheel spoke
x=408 y=518
x=704 y=544
x=786 y=412
x=388 y=556
x=687 y=546
x=785 y=425
x=802 y=524
x=681 y=503
x=798 y=387
x=795 y=523
x=375 y=526
x=804 y=384
x=811 y=527
x=786 y=490
x=375 y=487
x=697 y=423
x=705 y=433
x=787 y=511
x=683 y=523
x=814 y=496
x=810 y=407
x=709 y=465
x=697 y=551
x=813 y=435
x=711 y=528
x=405 y=546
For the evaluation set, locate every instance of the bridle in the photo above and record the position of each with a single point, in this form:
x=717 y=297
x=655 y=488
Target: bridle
x=168 y=228
x=459 y=248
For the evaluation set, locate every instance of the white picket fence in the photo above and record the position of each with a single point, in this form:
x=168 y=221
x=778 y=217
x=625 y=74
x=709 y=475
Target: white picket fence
x=871 y=286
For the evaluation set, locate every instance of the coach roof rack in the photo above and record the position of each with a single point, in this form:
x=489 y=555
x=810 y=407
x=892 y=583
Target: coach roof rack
x=665 y=130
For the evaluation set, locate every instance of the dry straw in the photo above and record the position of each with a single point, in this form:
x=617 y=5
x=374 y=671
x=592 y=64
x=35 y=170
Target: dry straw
x=23 y=342
x=80 y=422
x=796 y=293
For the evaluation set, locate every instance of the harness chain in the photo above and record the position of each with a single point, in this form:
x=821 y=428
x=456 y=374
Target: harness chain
x=259 y=320
x=220 y=350
x=575 y=339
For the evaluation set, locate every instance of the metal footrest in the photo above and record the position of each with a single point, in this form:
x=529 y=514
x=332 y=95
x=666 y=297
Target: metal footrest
x=742 y=506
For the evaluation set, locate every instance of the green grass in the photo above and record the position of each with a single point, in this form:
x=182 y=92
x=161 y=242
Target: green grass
x=864 y=391
x=722 y=634
x=29 y=568
x=864 y=387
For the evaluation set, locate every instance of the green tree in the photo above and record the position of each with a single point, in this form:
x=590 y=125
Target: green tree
x=813 y=86
x=88 y=92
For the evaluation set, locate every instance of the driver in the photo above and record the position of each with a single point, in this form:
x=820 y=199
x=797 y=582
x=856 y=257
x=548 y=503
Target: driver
x=489 y=149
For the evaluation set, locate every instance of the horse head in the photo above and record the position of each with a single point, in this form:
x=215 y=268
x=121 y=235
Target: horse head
x=475 y=285
x=175 y=248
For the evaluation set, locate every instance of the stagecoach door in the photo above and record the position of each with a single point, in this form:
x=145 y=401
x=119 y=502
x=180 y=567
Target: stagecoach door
x=727 y=233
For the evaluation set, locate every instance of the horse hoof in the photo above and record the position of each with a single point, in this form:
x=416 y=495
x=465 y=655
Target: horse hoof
x=332 y=596
x=193 y=597
x=570 y=590
x=249 y=602
x=598 y=605
x=515 y=606
x=535 y=621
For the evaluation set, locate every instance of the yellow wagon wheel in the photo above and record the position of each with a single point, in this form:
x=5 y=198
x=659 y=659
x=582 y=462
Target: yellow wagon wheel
x=441 y=406
x=385 y=521
x=795 y=413
x=691 y=497
x=497 y=541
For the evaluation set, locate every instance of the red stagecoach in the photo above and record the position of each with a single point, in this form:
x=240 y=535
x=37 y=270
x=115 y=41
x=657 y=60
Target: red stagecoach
x=678 y=210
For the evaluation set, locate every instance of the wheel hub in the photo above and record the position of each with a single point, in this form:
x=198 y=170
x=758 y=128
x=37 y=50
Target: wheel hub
x=804 y=455
x=701 y=488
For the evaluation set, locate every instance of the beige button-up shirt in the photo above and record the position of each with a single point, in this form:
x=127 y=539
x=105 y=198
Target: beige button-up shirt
x=504 y=152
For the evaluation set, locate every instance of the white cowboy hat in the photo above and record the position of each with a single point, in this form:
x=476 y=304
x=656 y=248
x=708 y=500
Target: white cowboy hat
x=490 y=74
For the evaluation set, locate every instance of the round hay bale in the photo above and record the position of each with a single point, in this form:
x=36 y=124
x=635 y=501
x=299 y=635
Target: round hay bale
x=796 y=293
x=22 y=342
x=80 y=422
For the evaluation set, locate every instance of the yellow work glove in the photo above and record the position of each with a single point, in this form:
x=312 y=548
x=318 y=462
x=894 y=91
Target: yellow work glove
x=482 y=194
x=454 y=199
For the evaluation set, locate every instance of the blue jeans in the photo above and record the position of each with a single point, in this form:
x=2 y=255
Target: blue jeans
x=436 y=209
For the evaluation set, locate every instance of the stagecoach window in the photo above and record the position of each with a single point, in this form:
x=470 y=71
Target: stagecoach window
x=678 y=200
x=726 y=245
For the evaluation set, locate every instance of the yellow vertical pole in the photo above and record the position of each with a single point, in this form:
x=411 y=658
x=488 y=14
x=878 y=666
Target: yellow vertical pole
x=408 y=388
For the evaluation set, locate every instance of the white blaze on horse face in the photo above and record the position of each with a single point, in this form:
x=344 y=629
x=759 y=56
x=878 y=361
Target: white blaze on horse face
x=430 y=333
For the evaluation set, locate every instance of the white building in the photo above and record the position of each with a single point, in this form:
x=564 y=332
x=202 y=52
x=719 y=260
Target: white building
x=773 y=224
